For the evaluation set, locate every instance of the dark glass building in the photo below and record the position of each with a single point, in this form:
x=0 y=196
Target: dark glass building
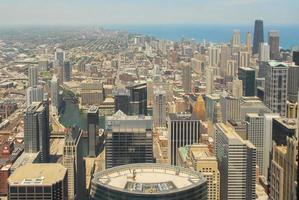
x=92 y=129
x=138 y=99
x=148 y=182
x=281 y=128
x=296 y=57
x=258 y=36
x=247 y=75
x=122 y=100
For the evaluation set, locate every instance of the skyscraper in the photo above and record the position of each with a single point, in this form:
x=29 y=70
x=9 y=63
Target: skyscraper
x=121 y=100
x=182 y=131
x=293 y=82
x=186 y=76
x=209 y=81
x=67 y=71
x=258 y=35
x=32 y=75
x=273 y=40
x=159 y=108
x=92 y=129
x=243 y=59
x=129 y=139
x=73 y=161
x=247 y=76
x=237 y=164
x=34 y=94
x=248 y=42
x=214 y=56
x=36 y=130
x=237 y=88
x=264 y=53
x=236 y=39
x=59 y=56
x=138 y=99
x=55 y=95
x=296 y=57
x=276 y=84
x=230 y=108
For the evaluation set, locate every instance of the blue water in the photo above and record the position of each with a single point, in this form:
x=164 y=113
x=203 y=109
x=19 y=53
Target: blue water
x=289 y=35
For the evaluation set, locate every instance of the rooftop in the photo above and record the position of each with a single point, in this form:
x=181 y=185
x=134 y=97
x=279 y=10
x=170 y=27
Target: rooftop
x=148 y=178
x=38 y=174
x=274 y=63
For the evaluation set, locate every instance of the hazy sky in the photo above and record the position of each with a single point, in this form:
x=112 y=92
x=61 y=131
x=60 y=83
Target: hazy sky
x=148 y=11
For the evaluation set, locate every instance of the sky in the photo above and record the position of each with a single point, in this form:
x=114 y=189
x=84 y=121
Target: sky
x=103 y=12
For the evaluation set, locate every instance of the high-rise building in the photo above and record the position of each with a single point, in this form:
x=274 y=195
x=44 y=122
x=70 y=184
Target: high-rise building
x=236 y=39
x=237 y=164
x=293 y=82
x=237 y=88
x=231 y=68
x=182 y=131
x=121 y=100
x=92 y=129
x=264 y=52
x=73 y=160
x=230 y=108
x=67 y=71
x=32 y=76
x=129 y=139
x=34 y=94
x=138 y=99
x=186 y=77
x=258 y=35
x=43 y=65
x=248 y=42
x=36 y=130
x=283 y=128
x=273 y=40
x=243 y=59
x=296 y=57
x=148 y=182
x=277 y=173
x=200 y=158
x=199 y=109
x=247 y=76
x=159 y=108
x=214 y=56
x=225 y=53
x=55 y=95
x=38 y=181
x=209 y=81
x=276 y=84
x=59 y=56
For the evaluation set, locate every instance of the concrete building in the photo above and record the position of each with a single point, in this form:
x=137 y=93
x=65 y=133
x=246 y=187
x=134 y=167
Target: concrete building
x=237 y=88
x=237 y=164
x=236 y=38
x=276 y=85
x=159 y=108
x=209 y=81
x=128 y=140
x=243 y=59
x=293 y=82
x=36 y=130
x=247 y=76
x=34 y=94
x=210 y=102
x=38 y=181
x=230 y=108
x=55 y=95
x=248 y=42
x=73 y=160
x=186 y=77
x=264 y=52
x=92 y=130
x=214 y=56
x=32 y=76
x=273 y=40
x=148 y=181
x=199 y=157
x=182 y=131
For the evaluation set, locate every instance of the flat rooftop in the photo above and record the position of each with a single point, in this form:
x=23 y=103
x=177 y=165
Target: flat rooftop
x=148 y=178
x=38 y=174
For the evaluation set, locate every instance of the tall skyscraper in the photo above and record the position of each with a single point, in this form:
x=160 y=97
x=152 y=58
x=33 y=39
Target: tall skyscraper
x=59 y=56
x=247 y=76
x=36 y=130
x=264 y=53
x=55 y=95
x=92 y=129
x=73 y=161
x=121 y=100
x=243 y=59
x=67 y=71
x=248 y=42
x=138 y=99
x=276 y=84
x=34 y=94
x=159 y=108
x=230 y=108
x=258 y=35
x=32 y=76
x=273 y=40
x=129 y=139
x=237 y=164
x=225 y=53
x=38 y=181
x=186 y=77
x=214 y=56
x=237 y=88
x=293 y=82
x=209 y=81
x=182 y=131
x=296 y=57
x=236 y=39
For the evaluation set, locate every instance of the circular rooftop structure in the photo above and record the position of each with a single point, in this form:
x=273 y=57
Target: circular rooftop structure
x=148 y=181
